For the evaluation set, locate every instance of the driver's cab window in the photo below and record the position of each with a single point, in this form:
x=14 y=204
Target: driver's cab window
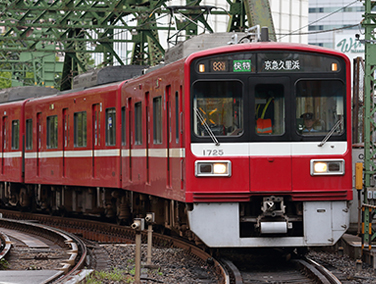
x=269 y=109
x=320 y=107
x=218 y=108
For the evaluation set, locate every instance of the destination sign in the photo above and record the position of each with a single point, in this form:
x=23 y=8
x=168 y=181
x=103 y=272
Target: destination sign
x=280 y=65
x=270 y=61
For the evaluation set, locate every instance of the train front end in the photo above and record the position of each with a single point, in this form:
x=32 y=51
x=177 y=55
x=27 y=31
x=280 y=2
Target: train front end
x=269 y=161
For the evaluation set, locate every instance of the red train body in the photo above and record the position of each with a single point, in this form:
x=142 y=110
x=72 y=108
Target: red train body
x=214 y=143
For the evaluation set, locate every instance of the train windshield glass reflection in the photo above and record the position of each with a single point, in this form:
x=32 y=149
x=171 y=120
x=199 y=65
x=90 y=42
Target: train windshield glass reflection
x=220 y=104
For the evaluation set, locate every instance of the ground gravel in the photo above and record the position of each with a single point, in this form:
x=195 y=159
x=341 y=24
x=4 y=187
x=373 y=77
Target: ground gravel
x=172 y=265
x=175 y=266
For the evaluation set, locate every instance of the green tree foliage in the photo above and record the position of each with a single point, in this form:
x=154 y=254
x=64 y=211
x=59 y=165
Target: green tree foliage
x=5 y=80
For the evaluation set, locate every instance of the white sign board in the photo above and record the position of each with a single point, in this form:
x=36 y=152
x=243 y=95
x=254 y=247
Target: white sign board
x=346 y=43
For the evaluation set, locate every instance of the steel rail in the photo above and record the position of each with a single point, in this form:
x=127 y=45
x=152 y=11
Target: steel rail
x=104 y=232
x=318 y=271
x=69 y=241
x=5 y=245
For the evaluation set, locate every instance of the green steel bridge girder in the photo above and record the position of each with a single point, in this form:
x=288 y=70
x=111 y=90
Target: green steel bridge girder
x=57 y=18
x=73 y=25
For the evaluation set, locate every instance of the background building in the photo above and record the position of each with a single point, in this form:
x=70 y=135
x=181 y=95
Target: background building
x=335 y=17
x=333 y=24
x=290 y=16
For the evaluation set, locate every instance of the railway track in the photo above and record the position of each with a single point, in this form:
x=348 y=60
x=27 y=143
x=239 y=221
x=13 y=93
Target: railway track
x=39 y=247
x=271 y=269
x=112 y=233
x=258 y=269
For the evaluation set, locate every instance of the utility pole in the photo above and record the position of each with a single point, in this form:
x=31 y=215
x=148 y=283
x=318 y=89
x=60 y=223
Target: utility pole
x=369 y=191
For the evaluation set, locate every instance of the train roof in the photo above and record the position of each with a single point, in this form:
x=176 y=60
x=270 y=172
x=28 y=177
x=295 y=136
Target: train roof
x=262 y=46
x=106 y=75
x=206 y=44
x=201 y=42
x=25 y=92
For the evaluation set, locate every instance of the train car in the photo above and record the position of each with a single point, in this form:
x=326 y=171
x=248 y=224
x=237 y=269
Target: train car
x=270 y=141
x=11 y=141
x=245 y=145
x=12 y=133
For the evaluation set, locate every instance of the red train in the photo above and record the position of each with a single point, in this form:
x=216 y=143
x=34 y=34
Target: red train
x=245 y=145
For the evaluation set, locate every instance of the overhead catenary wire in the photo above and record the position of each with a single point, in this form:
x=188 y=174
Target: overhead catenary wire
x=322 y=31
x=320 y=19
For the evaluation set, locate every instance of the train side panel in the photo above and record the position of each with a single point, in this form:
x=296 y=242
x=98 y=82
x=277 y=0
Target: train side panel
x=11 y=141
x=153 y=154
x=75 y=139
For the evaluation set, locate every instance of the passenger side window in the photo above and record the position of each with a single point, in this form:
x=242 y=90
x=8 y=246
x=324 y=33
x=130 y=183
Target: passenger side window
x=52 y=132
x=157 y=120
x=138 y=123
x=29 y=134
x=15 y=134
x=110 y=127
x=123 y=127
x=80 y=130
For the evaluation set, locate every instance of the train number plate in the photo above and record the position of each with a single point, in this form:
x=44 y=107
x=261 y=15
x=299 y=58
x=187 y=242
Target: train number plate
x=213 y=152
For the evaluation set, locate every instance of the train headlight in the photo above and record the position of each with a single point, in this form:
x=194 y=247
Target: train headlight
x=212 y=168
x=328 y=167
x=320 y=167
x=219 y=169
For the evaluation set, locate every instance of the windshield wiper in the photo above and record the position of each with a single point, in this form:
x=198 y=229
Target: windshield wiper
x=207 y=128
x=338 y=123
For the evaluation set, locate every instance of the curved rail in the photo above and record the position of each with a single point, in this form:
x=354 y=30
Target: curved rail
x=330 y=276
x=313 y=272
x=74 y=245
x=318 y=271
x=5 y=246
x=78 y=247
x=235 y=275
x=105 y=232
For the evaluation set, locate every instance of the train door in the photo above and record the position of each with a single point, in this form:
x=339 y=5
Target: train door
x=179 y=128
x=65 y=137
x=175 y=162
x=39 y=141
x=96 y=136
x=178 y=161
x=4 y=142
x=169 y=136
x=147 y=98
x=270 y=159
x=130 y=121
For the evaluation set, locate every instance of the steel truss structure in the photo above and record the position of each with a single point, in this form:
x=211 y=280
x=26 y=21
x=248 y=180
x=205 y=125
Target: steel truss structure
x=76 y=28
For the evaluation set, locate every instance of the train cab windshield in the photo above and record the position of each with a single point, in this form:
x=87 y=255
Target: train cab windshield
x=319 y=107
x=219 y=106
